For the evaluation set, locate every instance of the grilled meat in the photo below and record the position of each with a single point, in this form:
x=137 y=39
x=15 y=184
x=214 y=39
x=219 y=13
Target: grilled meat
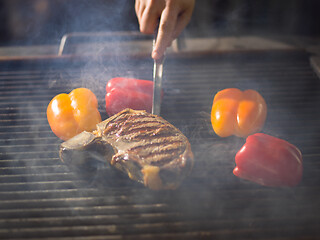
x=145 y=146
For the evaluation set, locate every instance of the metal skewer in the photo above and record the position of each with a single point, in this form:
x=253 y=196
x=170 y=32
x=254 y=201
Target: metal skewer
x=157 y=82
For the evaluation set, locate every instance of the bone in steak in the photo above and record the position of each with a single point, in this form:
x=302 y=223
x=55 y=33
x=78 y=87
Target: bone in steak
x=145 y=146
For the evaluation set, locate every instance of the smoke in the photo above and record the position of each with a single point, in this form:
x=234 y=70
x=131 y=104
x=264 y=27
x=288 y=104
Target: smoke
x=40 y=22
x=212 y=196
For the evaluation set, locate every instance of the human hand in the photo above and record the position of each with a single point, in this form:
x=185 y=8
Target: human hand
x=172 y=16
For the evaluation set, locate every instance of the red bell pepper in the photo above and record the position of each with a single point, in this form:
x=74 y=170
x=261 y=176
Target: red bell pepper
x=131 y=84
x=269 y=161
x=128 y=93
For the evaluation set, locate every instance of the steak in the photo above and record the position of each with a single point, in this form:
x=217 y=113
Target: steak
x=146 y=147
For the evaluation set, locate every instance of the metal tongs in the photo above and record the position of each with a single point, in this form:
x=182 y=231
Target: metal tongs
x=157 y=82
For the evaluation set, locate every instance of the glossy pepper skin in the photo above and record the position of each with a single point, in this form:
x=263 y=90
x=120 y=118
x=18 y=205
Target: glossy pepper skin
x=131 y=93
x=269 y=161
x=73 y=113
x=239 y=113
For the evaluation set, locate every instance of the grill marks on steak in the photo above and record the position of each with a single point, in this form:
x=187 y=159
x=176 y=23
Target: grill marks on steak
x=135 y=125
x=156 y=154
x=146 y=147
x=156 y=143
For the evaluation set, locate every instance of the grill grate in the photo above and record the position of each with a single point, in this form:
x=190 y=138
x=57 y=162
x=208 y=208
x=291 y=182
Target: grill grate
x=41 y=198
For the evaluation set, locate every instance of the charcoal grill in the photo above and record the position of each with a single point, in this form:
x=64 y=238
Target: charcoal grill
x=41 y=198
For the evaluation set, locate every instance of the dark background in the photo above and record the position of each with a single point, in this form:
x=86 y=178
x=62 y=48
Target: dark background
x=46 y=21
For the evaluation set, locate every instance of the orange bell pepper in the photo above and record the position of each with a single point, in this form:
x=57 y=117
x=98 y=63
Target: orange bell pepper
x=73 y=113
x=239 y=113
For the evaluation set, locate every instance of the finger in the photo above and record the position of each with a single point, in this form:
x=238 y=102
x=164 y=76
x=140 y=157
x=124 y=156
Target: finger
x=137 y=6
x=182 y=22
x=149 y=20
x=166 y=29
x=140 y=9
